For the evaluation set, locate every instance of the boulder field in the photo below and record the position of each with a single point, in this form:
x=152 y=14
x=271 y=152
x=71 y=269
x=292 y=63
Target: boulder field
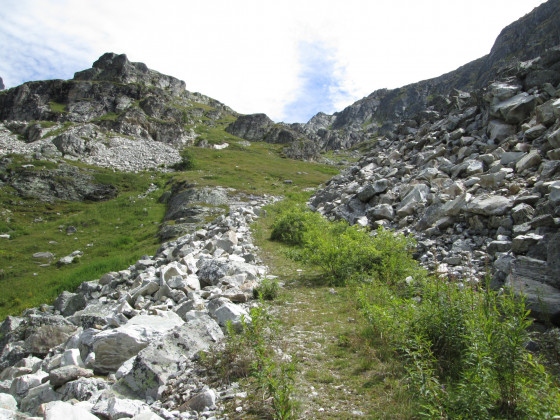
x=126 y=345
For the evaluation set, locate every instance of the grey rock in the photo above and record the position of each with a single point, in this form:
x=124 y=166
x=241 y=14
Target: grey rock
x=224 y=312
x=545 y=113
x=515 y=109
x=118 y=408
x=417 y=195
x=490 y=205
x=200 y=401
x=41 y=394
x=147 y=415
x=554 y=139
x=58 y=410
x=498 y=246
x=522 y=213
x=60 y=376
x=68 y=303
x=22 y=384
x=46 y=255
x=373 y=189
x=7 y=402
x=113 y=347
x=535 y=132
x=529 y=161
x=163 y=357
x=252 y=127
x=526 y=279
x=499 y=130
x=522 y=243
x=511 y=157
x=83 y=389
x=381 y=211
x=45 y=337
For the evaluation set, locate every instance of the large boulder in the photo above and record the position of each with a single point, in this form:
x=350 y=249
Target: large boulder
x=163 y=357
x=113 y=347
x=60 y=410
x=252 y=127
x=490 y=205
x=515 y=109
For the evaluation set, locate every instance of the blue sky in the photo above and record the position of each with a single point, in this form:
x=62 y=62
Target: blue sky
x=321 y=83
x=288 y=59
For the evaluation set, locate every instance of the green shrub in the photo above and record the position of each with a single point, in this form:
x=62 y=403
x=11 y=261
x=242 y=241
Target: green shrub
x=464 y=348
x=187 y=162
x=267 y=290
x=346 y=252
x=292 y=225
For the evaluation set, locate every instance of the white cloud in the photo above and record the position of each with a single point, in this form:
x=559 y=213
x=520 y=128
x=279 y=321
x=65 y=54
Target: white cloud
x=245 y=53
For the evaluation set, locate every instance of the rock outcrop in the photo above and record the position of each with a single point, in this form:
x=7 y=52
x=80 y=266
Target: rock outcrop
x=117 y=114
x=65 y=182
x=125 y=346
x=2 y=87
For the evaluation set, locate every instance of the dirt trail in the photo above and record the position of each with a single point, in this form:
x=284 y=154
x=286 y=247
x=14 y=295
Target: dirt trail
x=340 y=375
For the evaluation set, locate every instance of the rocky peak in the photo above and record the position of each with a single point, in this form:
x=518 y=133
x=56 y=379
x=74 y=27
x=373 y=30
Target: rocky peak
x=117 y=68
x=1 y=84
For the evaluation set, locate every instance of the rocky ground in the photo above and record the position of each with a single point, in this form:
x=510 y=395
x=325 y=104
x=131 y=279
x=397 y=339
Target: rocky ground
x=478 y=186
x=125 y=346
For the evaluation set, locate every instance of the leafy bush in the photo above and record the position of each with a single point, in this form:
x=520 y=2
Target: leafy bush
x=344 y=252
x=465 y=350
x=187 y=162
x=292 y=225
x=267 y=290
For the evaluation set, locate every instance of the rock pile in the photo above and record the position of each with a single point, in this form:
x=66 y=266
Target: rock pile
x=125 y=346
x=478 y=185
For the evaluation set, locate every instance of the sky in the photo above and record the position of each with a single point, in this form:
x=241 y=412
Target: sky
x=289 y=59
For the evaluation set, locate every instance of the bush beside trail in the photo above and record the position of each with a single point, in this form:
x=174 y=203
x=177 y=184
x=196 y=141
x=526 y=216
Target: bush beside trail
x=464 y=346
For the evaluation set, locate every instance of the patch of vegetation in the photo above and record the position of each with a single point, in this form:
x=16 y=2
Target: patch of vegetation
x=58 y=131
x=187 y=162
x=464 y=347
x=19 y=160
x=344 y=252
x=267 y=290
x=248 y=354
x=112 y=235
x=255 y=169
x=46 y=124
x=109 y=116
x=342 y=371
x=57 y=107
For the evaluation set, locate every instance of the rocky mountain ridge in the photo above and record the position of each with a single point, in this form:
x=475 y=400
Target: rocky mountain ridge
x=380 y=112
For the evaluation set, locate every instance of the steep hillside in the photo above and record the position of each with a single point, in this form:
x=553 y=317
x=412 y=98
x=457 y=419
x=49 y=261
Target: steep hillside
x=478 y=185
